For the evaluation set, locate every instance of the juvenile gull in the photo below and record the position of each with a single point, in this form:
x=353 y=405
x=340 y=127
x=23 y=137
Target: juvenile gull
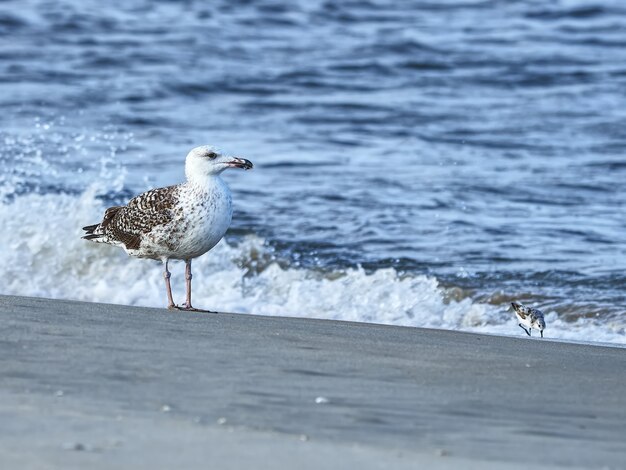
x=177 y=222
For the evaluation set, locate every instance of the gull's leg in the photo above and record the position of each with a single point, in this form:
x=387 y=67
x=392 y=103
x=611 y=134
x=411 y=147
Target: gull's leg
x=166 y=276
x=522 y=327
x=187 y=305
x=188 y=278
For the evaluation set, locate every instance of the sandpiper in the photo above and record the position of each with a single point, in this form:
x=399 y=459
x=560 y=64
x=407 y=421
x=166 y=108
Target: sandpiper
x=529 y=318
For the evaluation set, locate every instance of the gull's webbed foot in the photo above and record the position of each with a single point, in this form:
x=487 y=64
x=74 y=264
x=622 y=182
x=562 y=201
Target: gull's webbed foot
x=188 y=308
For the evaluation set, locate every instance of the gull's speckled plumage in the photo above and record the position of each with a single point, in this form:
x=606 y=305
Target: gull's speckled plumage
x=183 y=221
x=134 y=225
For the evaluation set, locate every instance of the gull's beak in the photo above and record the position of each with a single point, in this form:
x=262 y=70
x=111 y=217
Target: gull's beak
x=240 y=163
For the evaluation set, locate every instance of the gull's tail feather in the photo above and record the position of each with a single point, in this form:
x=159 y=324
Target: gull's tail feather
x=95 y=232
x=90 y=229
x=92 y=232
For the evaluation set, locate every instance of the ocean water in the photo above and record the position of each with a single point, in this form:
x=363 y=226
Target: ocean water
x=416 y=163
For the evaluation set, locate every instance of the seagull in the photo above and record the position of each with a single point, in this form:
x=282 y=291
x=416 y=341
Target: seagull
x=529 y=318
x=179 y=222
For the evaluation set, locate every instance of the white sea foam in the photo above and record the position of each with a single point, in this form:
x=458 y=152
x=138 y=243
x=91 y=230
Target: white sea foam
x=43 y=255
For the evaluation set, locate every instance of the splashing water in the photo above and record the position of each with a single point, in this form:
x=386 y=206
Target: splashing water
x=49 y=259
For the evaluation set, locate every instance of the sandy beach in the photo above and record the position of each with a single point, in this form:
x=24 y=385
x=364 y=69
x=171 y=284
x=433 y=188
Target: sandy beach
x=108 y=386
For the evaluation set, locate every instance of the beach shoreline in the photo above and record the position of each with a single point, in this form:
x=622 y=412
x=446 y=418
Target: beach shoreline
x=133 y=387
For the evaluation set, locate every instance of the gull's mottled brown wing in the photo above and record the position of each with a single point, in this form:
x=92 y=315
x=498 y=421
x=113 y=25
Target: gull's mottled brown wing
x=140 y=216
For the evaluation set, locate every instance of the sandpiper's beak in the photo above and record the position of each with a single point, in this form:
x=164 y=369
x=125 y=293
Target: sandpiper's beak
x=541 y=333
x=240 y=163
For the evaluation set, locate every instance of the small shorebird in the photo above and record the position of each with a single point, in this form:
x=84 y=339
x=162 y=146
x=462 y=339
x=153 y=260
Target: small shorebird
x=529 y=318
x=183 y=221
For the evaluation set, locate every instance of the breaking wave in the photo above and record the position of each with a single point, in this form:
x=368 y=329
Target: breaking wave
x=44 y=256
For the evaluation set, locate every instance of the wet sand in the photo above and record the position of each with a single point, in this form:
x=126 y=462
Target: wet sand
x=104 y=386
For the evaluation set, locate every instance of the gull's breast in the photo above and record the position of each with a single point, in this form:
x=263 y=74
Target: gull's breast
x=202 y=218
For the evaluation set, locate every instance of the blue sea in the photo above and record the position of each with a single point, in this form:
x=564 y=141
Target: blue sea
x=418 y=163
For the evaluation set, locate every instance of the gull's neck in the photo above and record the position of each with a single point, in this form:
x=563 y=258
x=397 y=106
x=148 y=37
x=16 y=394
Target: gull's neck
x=205 y=183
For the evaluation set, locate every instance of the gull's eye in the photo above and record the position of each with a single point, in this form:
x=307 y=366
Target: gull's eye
x=212 y=155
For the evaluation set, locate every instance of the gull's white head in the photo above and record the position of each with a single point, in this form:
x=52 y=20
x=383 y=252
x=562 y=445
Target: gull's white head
x=205 y=161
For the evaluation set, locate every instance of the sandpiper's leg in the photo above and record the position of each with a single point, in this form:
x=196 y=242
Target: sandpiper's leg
x=188 y=278
x=522 y=327
x=166 y=276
